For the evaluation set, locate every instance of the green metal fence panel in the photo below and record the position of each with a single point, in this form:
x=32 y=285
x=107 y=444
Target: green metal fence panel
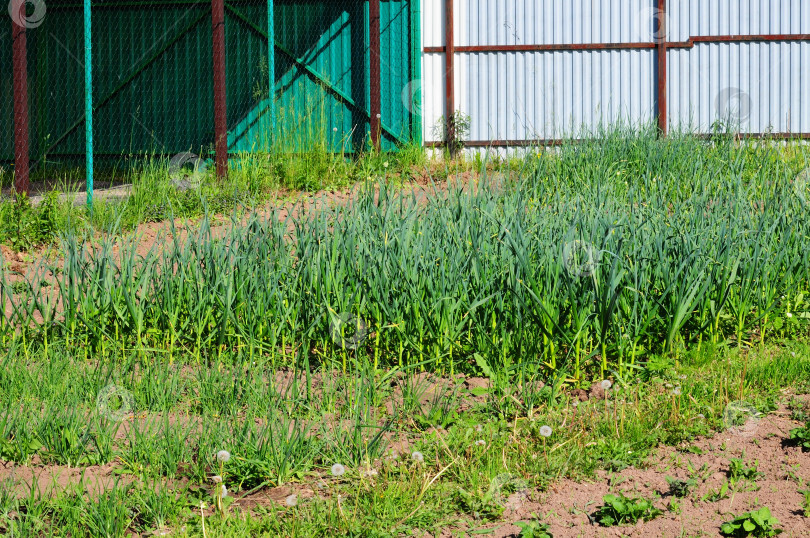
x=152 y=71
x=322 y=75
x=396 y=73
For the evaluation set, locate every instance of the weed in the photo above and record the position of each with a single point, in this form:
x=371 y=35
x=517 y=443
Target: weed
x=622 y=510
x=805 y=501
x=23 y=225
x=798 y=410
x=718 y=494
x=738 y=470
x=533 y=529
x=755 y=523
x=680 y=488
x=801 y=436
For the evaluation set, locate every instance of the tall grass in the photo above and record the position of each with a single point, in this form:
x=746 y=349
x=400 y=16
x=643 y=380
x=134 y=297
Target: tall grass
x=689 y=241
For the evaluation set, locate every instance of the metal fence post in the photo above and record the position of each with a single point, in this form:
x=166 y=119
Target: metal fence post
x=88 y=100
x=220 y=111
x=374 y=68
x=450 y=53
x=661 y=42
x=416 y=71
x=21 y=180
x=271 y=66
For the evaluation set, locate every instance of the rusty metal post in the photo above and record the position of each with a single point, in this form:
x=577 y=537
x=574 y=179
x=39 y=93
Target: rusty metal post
x=21 y=178
x=450 y=53
x=220 y=110
x=374 y=71
x=661 y=42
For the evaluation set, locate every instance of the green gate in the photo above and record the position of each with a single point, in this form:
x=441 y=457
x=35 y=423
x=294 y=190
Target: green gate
x=153 y=89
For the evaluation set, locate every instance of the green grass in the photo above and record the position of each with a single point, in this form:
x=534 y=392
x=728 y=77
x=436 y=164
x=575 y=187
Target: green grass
x=281 y=435
x=588 y=263
x=674 y=270
x=254 y=178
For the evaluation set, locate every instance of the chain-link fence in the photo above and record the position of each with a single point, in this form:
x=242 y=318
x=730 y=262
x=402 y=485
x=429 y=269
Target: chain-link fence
x=155 y=68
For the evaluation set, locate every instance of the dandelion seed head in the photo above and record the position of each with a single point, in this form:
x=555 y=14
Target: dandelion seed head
x=545 y=431
x=338 y=470
x=676 y=391
x=479 y=428
x=480 y=442
x=223 y=491
x=223 y=456
x=216 y=479
x=418 y=457
x=606 y=384
x=701 y=415
x=292 y=500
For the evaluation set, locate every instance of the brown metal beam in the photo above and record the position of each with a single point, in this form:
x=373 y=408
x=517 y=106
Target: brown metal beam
x=375 y=70
x=769 y=38
x=21 y=179
x=542 y=48
x=450 y=92
x=523 y=143
x=220 y=95
x=661 y=75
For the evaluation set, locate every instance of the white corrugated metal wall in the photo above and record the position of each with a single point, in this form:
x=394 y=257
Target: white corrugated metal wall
x=528 y=95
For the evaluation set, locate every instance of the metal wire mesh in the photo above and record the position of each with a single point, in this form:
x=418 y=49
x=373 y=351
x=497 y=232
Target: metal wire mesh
x=153 y=79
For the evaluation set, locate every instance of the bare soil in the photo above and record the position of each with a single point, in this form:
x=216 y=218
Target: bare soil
x=568 y=505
